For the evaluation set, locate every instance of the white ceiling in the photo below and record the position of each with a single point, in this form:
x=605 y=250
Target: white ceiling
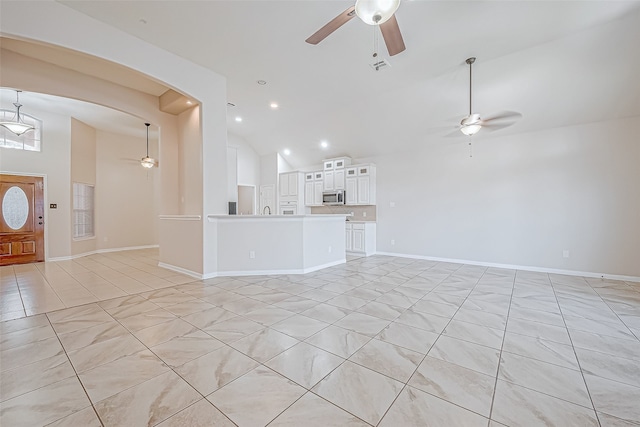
x=557 y=62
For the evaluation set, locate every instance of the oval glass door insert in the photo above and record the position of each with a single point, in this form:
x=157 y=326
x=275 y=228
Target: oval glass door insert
x=15 y=208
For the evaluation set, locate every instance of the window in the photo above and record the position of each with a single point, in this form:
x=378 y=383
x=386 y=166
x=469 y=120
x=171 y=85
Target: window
x=82 y=211
x=29 y=141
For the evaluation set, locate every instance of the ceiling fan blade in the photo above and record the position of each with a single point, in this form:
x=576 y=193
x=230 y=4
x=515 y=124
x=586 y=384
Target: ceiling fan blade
x=503 y=115
x=333 y=25
x=392 y=36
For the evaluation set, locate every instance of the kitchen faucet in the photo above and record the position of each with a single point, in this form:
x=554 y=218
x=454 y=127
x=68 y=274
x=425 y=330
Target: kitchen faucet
x=266 y=207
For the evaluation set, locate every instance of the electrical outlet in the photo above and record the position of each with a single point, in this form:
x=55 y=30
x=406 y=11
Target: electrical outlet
x=393 y=242
x=364 y=214
x=392 y=204
x=330 y=249
x=565 y=253
x=252 y=254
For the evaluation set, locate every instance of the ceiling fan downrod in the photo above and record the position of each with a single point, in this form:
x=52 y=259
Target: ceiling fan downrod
x=470 y=61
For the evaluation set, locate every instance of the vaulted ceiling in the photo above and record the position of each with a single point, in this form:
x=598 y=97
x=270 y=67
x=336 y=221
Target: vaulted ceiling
x=557 y=63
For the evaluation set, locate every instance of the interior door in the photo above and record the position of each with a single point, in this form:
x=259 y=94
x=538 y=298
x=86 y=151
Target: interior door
x=268 y=199
x=21 y=219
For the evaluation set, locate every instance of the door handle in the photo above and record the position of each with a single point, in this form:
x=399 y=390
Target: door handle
x=39 y=217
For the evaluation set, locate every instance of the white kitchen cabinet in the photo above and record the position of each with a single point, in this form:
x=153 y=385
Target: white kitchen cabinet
x=334 y=173
x=338 y=179
x=360 y=185
x=290 y=184
x=313 y=188
x=360 y=238
x=329 y=182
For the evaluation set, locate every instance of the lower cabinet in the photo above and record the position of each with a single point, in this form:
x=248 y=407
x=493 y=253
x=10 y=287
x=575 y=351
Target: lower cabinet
x=360 y=238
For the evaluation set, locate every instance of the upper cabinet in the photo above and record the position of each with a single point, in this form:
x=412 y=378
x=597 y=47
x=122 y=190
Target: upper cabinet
x=334 y=173
x=291 y=185
x=357 y=181
x=313 y=188
x=360 y=185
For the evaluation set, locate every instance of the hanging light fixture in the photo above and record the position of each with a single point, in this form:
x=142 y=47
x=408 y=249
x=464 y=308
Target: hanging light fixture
x=471 y=124
x=16 y=125
x=147 y=162
x=376 y=12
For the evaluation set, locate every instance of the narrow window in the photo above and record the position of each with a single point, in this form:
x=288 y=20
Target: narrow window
x=83 y=217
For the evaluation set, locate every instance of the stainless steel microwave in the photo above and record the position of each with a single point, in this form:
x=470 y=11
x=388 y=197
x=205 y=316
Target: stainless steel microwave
x=335 y=197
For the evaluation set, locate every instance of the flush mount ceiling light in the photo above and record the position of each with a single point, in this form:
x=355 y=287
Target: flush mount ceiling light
x=16 y=125
x=238 y=119
x=376 y=12
x=147 y=162
x=274 y=105
x=324 y=144
x=286 y=151
x=471 y=124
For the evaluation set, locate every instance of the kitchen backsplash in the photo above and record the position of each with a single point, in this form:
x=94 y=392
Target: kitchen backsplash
x=358 y=211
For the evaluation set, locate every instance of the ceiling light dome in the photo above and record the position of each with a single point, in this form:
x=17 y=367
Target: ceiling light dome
x=471 y=124
x=16 y=125
x=376 y=12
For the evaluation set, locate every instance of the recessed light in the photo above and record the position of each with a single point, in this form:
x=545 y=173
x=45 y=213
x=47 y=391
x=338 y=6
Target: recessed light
x=273 y=105
x=262 y=82
x=286 y=151
x=324 y=144
x=238 y=119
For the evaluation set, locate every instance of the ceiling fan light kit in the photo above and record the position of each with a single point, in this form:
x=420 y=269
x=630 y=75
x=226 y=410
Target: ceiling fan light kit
x=471 y=124
x=376 y=12
x=147 y=162
x=373 y=12
x=17 y=126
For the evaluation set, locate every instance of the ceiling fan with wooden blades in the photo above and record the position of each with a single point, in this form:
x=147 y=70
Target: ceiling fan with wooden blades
x=372 y=12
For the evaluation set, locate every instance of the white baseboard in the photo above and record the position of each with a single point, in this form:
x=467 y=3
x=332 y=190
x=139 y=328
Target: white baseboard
x=100 y=251
x=279 y=272
x=181 y=270
x=519 y=267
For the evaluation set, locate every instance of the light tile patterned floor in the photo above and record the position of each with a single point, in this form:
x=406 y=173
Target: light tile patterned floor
x=379 y=341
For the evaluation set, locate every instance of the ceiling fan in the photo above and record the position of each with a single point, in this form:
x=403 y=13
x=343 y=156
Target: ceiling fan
x=372 y=12
x=471 y=124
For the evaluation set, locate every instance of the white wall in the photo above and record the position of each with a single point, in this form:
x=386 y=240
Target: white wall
x=54 y=161
x=83 y=170
x=126 y=209
x=248 y=161
x=520 y=199
x=190 y=155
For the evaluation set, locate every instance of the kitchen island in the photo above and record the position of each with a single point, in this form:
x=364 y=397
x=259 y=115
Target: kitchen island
x=276 y=244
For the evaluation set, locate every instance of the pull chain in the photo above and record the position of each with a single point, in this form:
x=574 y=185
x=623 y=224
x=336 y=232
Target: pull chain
x=375 y=47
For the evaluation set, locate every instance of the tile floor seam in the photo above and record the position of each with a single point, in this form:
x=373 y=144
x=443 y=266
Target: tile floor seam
x=593 y=406
x=405 y=385
x=504 y=335
x=76 y=375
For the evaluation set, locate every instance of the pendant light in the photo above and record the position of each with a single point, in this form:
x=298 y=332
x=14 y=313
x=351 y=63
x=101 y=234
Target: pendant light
x=376 y=12
x=17 y=126
x=471 y=124
x=147 y=162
